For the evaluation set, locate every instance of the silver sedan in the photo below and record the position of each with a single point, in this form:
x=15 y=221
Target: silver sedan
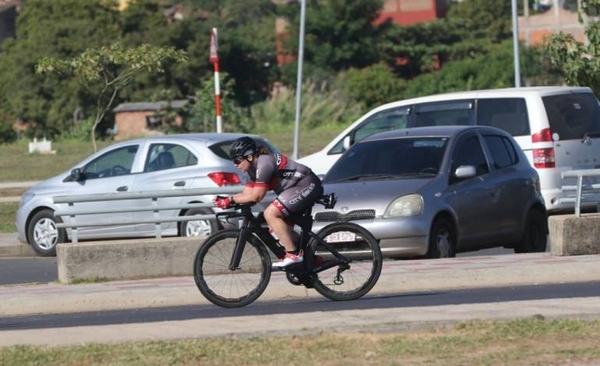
x=170 y=162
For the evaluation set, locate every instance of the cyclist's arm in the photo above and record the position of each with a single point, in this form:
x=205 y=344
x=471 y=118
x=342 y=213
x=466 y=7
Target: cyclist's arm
x=251 y=194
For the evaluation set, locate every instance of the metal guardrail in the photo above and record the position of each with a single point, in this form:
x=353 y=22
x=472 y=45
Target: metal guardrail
x=154 y=205
x=583 y=192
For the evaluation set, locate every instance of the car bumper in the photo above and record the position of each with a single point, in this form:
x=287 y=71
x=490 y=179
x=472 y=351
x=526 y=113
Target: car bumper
x=20 y=221
x=553 y=199
x=398 y=237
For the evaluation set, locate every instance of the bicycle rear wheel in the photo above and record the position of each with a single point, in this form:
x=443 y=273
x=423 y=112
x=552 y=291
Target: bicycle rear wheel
x=231 y=288
x=348 y=281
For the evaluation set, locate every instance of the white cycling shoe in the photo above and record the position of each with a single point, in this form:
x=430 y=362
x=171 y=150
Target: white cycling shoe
x=288 y=260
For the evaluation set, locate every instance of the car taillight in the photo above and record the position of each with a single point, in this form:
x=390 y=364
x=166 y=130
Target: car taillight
x=544 y=157
x=223 y=178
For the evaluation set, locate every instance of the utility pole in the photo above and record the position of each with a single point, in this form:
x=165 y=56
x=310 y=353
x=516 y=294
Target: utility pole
x=515 y=21
x=295 y=154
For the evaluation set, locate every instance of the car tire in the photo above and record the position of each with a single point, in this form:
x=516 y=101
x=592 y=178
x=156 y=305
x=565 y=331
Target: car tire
x=442 y=239
x=43 y=235
x=198 y=227
x=535 y=235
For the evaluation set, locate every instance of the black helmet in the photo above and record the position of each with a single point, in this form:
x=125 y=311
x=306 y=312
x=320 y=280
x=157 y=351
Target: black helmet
x=242 y=147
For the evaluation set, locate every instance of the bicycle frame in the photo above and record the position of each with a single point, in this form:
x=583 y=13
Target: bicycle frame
x=252 y=225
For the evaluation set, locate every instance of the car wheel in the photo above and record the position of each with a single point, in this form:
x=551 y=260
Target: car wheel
x=535 y=236
x=43 y=235
x=442 y=240
x=198 y=227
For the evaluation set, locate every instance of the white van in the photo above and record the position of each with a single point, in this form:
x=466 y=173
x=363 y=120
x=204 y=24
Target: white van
x=558 y=128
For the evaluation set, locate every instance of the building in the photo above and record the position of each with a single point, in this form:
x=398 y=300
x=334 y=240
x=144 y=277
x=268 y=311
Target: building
x=408 y=12
x=144 y=118
x=533 y=29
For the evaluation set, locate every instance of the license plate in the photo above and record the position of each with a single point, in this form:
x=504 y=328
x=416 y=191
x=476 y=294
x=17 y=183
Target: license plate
x=340 y=236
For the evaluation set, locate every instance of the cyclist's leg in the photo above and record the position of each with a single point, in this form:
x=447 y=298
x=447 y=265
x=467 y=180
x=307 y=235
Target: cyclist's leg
x=289 y=202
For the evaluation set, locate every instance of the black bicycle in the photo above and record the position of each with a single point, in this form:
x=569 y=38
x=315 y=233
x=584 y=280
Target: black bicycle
x=232 y=267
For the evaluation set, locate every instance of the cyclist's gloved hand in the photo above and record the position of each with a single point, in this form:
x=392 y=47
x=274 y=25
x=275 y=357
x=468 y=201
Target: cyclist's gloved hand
x=223 y=202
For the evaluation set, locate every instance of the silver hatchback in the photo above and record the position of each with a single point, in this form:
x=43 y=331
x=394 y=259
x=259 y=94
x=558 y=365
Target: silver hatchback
x=435 y=191
x=170 y=162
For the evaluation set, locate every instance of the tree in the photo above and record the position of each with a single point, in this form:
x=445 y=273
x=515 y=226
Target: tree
x=339 y=35
x=73 y=26
x=478 y=19
x=246 y=33
x=489 y=70
x=579 y=63
x=108 y=69
x=374 y=85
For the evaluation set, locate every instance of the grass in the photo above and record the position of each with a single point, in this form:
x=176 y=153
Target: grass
x=8 y=214
x=533 y=341
x=19 y=165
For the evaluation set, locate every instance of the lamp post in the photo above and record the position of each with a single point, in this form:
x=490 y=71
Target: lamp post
x=295 y=153
x=515 y=21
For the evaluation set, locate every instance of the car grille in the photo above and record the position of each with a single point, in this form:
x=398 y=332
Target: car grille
x=350 y=216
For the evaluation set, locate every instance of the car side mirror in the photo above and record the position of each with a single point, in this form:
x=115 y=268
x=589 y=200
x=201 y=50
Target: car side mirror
x=77 y=174
x=465 y=171
x=346 y=142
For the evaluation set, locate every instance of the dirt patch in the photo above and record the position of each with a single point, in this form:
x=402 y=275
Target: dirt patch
x=12 y=192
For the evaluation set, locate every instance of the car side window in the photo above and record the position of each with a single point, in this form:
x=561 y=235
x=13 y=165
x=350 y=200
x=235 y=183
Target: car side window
x=445 y=113
x=168 y=156
x=387 y=120
x=508 y=114
x=470 y=152
x=573 y=115
x=502 y=150
x=113 y=163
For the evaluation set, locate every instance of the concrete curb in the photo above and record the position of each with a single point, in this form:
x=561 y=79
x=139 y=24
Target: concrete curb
x=10 y=246
x=16 y=250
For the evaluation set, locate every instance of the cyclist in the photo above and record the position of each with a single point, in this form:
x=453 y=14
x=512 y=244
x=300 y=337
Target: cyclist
x=296 y=186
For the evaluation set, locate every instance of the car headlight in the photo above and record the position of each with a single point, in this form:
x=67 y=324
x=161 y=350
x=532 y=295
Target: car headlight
x=410 y=205
x=26 y=197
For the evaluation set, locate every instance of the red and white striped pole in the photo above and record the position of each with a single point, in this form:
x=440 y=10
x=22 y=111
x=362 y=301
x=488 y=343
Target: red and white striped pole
x=214 y=58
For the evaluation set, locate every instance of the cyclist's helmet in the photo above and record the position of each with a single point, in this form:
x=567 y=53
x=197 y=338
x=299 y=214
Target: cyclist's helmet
x=242 y=147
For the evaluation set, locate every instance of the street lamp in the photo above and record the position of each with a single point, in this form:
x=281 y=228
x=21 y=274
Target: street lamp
x=295 y=154
x=515 y=21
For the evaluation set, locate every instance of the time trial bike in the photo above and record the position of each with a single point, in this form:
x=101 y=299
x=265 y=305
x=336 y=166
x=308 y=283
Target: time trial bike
x=232 y=268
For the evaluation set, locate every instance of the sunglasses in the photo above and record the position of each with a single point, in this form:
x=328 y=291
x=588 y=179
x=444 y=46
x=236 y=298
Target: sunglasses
x=238 y=160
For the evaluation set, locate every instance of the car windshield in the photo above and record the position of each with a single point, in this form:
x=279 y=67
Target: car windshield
x=390 y=159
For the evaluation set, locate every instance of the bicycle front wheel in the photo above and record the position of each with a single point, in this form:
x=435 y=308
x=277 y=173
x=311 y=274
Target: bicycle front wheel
x=354 y=276
x=231 y=288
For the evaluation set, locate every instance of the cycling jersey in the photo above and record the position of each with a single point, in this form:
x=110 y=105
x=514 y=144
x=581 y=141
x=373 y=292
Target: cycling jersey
x=296 y=186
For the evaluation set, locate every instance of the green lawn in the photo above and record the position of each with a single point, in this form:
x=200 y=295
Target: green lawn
x=534 y=341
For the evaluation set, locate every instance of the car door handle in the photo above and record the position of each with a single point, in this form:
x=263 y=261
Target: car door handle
x=181 y=183
x=122 y=189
